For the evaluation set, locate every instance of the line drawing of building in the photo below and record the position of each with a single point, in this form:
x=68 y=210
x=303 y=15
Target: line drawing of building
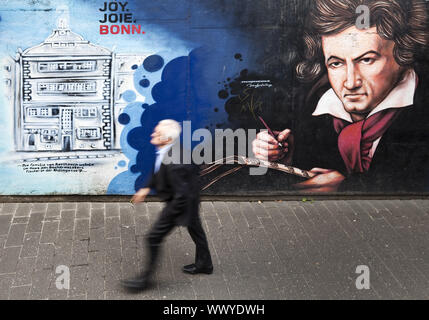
x=66 y=94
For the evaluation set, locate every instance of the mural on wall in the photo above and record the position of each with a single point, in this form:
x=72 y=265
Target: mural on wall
x=84 y=86
x=65 y=101
x=85 y=83
x=363 y=125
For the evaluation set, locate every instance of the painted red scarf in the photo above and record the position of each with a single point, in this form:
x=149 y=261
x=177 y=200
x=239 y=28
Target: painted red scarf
x=355 y=140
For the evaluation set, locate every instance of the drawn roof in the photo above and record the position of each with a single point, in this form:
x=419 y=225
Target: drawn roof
x=63 y=41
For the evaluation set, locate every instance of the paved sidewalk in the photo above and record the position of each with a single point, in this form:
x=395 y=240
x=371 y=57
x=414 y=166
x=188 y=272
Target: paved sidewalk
x=269 y=250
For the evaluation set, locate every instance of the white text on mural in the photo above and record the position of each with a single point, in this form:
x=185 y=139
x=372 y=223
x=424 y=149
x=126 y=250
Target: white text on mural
x=35 y=167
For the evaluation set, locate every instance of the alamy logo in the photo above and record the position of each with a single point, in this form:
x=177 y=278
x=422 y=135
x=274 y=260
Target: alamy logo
x=363 y=21
x=63 y=280
x=362 y=281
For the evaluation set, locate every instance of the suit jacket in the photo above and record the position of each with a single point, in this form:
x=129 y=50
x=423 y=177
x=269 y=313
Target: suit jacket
x=178 y=184
x=400 y=163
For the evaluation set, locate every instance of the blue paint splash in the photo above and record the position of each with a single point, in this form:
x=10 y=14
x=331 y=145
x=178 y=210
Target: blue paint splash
x=144 y=83
x=124 y=118
x=153 y=63
x=129 y=96
x=188 y=91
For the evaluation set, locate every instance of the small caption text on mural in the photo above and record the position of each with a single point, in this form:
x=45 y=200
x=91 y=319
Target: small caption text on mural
x=119 y=17
x=36 y=167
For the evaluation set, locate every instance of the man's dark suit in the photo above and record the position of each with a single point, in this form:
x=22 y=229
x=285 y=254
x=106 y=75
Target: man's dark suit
x=178 y=185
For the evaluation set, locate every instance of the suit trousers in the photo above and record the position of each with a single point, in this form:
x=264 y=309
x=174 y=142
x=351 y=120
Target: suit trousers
x=162 y=228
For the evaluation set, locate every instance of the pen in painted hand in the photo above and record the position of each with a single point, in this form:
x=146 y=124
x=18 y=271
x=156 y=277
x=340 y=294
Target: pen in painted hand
x=269 y=130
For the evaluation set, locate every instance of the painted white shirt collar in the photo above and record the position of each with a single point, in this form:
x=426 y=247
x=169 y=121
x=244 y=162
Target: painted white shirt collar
x=401 y=96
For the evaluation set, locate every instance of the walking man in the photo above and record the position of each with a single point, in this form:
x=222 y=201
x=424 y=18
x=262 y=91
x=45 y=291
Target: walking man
x=177 y=184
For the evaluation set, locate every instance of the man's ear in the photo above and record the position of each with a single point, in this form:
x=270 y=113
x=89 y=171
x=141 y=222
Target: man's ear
x=163 y=138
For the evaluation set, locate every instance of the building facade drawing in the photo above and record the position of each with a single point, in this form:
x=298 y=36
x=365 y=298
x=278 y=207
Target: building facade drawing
x=65 y=95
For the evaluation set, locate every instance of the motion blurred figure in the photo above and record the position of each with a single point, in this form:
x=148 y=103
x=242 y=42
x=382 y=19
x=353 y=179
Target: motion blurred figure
x=177 y=184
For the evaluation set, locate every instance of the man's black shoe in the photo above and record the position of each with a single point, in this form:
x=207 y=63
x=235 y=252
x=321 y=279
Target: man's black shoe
x=136 y=283
x=193 y=269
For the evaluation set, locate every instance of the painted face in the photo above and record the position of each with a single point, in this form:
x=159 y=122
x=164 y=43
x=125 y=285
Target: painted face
x=157 y=136
x=361 y=69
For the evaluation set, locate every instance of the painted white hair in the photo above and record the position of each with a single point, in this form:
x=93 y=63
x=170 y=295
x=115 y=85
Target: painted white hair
x=171 y=129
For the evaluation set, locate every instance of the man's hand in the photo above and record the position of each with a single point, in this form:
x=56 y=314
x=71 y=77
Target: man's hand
x=325 y=181
x=140 y=195
x=265 y=147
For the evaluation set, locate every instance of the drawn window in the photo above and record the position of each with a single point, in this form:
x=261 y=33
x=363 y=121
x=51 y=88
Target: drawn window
x=86 y=112
x=43 y=67
x=49 y=136
x=72 y=87
x=78 y=66
x=89 y=133
x=31 y=140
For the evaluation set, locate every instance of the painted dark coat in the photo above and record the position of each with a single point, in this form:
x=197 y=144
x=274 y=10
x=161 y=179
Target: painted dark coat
x=400 y=163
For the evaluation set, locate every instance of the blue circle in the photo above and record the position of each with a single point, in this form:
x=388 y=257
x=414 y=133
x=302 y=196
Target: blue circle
x=134 y=66
x=134 y=169
x=124 y=118
x=129 y=96
x=122 y=163
x=144 y=83
x=145 y=105
x=153 y=63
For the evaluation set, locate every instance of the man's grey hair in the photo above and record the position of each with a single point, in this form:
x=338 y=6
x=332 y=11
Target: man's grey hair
x=171 y=129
